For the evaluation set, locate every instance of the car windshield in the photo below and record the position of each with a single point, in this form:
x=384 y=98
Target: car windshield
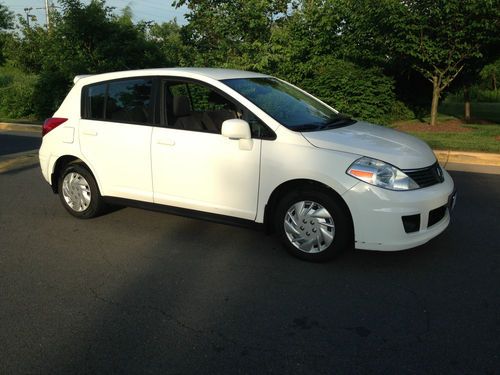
x=288 y=105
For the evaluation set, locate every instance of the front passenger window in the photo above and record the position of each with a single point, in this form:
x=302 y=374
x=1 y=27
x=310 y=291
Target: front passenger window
x=196 y=107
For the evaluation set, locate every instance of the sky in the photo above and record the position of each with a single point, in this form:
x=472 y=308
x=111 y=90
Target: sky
x=147 y=10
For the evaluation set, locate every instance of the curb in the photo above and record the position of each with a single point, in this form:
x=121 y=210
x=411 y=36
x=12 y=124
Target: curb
x=20 y=127
x=464 y=157
x=19 y=160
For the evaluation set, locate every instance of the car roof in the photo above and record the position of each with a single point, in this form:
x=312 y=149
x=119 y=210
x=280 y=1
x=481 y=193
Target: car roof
x=213 y=73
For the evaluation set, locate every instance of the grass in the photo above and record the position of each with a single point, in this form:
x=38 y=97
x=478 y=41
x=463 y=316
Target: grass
x=485 y=138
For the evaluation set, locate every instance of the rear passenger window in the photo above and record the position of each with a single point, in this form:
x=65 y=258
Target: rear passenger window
x=128 y=101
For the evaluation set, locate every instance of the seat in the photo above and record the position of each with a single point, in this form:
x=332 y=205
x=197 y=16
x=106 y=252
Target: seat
x=184 y=118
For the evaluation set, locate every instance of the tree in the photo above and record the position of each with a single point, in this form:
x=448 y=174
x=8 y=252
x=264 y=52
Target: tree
x=440 y=36
x=231 y=33
x=83 y=39
x=6 y=18
x=169 y=40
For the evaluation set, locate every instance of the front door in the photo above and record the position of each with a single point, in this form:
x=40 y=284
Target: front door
x=193 y=165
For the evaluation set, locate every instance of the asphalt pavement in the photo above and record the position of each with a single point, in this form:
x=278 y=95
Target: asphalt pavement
x=144 y=292
x=15 y=142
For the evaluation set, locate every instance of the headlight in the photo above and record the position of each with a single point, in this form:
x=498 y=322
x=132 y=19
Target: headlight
x=378 y=173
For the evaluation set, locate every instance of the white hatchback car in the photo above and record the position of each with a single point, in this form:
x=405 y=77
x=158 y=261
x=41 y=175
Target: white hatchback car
x=243 y=147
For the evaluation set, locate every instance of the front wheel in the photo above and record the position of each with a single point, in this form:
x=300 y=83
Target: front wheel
x=79 y=193
x=313 y=225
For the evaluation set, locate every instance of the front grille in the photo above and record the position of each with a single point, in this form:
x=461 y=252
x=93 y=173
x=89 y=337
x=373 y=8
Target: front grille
x=436 y=215
x=425 y=177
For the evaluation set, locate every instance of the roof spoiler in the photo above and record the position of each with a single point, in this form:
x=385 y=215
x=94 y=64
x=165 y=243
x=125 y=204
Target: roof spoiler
x=77 y=78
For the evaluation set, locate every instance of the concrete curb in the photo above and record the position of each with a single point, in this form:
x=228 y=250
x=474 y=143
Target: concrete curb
x=464 y=157
x=19 y=160
x=20 y=127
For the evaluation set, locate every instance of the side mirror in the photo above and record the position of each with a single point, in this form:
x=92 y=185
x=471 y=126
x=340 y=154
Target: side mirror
x=236 y=129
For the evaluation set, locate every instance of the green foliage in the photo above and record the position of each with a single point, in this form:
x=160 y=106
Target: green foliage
x=359 y=92
x=83 y=39
x=231 y=33
x=484 y=111
x=168 y=38
x=490 y=73
x=6 y=17
x=360 y=56
x=16 y=93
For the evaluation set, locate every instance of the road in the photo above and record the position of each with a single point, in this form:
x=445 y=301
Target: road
x=143 y=292
x=14 y=142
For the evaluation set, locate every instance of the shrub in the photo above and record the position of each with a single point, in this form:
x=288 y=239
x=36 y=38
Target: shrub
x=363 y=93
x=16 y=93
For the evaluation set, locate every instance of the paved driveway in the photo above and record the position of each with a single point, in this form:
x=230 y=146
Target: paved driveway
x=144 y=292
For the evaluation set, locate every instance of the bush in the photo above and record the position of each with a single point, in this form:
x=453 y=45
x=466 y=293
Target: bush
x=16 y=93
x=362 y=93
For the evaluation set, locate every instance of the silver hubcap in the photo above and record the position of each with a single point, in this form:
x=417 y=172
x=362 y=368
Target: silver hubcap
x=76 y=191
x=309 y=226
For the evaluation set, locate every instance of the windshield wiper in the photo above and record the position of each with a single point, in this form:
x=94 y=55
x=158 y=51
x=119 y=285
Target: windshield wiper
x=306 y=127
x=338 y=122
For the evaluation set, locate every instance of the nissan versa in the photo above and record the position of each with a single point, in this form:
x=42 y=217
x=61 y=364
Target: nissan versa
x=243 y=147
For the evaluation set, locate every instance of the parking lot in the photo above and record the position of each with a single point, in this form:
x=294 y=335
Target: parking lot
x=143 y=292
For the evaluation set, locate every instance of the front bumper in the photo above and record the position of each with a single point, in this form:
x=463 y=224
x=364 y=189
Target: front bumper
x=377 y=214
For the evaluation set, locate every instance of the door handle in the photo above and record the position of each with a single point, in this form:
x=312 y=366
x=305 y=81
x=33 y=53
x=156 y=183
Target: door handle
x=90 y=132
x=166 y=142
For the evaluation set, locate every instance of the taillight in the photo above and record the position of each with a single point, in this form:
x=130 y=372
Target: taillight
x=52 y=123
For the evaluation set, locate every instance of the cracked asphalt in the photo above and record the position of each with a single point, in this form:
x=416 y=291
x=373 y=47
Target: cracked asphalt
x=144 y=292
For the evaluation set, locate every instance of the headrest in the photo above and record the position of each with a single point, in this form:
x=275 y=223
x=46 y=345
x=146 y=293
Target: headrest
x=181 y=106
x=215 y=98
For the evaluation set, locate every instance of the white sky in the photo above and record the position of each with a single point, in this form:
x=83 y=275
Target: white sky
x=147 y=10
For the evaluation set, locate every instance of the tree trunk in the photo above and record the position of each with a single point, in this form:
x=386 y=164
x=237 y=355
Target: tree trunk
x=466 y=104
x=436 y=92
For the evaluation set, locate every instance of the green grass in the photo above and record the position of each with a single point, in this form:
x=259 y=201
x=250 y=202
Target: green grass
x=481 y=138
x=483 y=111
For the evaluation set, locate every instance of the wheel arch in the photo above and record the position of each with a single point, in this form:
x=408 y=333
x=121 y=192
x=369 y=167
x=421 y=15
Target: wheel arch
x=297 y=185
x=59 y=166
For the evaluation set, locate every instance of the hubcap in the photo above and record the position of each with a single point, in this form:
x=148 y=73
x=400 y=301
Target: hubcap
x=76 y=192
x=309 y=226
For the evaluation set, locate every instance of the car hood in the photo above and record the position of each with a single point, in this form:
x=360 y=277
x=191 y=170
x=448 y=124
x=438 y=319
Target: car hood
x=399 y=149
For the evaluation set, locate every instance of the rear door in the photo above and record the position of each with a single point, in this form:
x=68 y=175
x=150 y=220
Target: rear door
x=115 y=136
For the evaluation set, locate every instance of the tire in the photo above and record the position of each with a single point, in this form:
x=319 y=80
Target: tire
x=313 y=225
x=79 y=193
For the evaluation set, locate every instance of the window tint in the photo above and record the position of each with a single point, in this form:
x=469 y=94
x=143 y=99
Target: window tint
x=127 y=101
x=95 y=102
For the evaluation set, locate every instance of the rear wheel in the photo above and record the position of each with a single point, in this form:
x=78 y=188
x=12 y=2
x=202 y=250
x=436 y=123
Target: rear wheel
x=313 y=225
x=79 y=193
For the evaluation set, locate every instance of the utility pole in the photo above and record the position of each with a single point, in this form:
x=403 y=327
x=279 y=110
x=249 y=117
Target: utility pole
x=47 y=11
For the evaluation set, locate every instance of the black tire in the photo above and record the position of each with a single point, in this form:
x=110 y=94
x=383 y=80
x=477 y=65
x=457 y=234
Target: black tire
x=342 y=231
x=83 y=211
